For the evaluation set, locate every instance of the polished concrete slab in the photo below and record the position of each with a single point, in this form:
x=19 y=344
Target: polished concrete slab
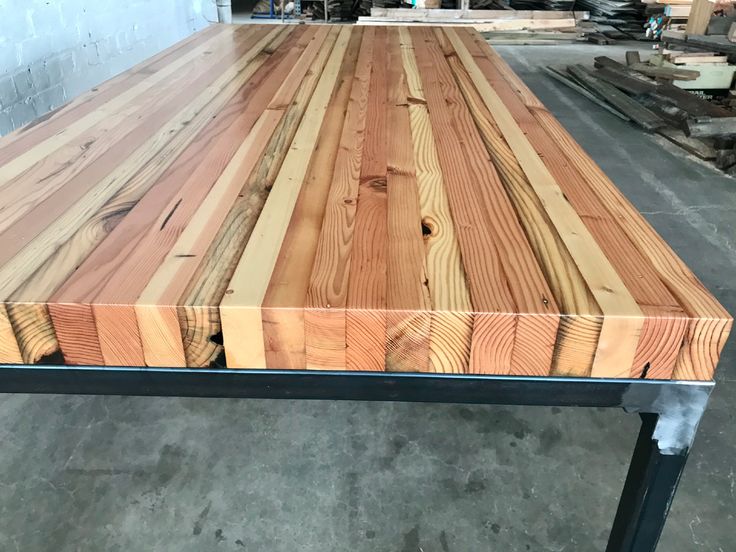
x=123 y=474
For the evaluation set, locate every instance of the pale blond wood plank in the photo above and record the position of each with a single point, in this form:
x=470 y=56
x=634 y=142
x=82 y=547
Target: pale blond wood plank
x=34 y=331
x=478 y=25
x=699 y=17
x=419 y=14
x=9 y=349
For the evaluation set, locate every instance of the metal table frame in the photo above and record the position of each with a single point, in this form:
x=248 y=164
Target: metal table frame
x=670 y=412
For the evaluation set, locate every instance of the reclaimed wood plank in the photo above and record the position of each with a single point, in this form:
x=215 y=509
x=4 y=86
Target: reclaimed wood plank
x=324 y=317
x=709 y=323
x=407 y=298
x=623 y=319
x=452 y=320
x=365 y=320
x=285 y=299
x=100 y=272
x=240 y=309
x=490 y=225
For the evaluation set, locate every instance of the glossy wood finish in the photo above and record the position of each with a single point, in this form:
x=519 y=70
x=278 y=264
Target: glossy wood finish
x=334 y=197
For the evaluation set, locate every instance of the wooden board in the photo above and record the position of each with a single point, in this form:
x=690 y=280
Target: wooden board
x=333 y=197
x=419 y=14
x=481 y=25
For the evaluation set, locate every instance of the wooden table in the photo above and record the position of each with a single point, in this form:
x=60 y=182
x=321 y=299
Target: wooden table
x=338 y=198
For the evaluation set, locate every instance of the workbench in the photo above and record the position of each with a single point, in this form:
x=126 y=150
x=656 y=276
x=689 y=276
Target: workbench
x=340 y=212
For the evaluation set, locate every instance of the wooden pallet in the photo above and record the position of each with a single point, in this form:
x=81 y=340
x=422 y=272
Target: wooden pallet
x=333 y=197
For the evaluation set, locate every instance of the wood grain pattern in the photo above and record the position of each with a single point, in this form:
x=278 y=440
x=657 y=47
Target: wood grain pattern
x=665 y=319
x=324 y=318
x=452 y=321
x=285 y=299
x=623 y=318
x=334 y=197
x=250 y=280
x=365 y=322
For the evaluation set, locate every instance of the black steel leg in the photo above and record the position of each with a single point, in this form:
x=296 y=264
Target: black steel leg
x=656 y=466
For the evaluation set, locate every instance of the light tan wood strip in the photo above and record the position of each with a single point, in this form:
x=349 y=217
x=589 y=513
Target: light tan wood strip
x=34 y=333
x=452 y=319
x=9 y=348
x=283 y=305
x=623 y=318
x=324 y=317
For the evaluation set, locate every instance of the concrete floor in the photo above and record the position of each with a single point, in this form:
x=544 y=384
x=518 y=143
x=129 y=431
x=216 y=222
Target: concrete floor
x=129 y=474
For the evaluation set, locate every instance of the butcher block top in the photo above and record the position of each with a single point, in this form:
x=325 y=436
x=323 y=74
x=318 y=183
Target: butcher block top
x=333 y=197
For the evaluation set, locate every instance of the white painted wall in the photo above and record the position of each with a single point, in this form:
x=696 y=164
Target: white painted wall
x=52 y=50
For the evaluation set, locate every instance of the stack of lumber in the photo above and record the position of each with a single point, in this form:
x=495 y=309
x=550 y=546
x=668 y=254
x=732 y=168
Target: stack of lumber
x=627 y=16
x=480 y=20
x=645 y=94
x=708 y=43
x=551 y=5
x=334 y=197
x=533 y=38
x=612 y=9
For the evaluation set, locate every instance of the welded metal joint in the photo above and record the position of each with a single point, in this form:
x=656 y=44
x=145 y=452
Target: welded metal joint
x=679 y=409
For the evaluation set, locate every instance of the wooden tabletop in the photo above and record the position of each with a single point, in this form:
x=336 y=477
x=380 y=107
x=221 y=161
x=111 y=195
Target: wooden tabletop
x=333 y=197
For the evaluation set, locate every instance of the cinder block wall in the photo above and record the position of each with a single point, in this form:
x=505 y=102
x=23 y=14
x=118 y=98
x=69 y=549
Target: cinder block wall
x=52 y=50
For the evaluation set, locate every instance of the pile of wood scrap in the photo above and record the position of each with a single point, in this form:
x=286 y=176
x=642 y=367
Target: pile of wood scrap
x=647 y=96
x=481 y=20
x=534 y=38
x=708 y=43
x=715 y=72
